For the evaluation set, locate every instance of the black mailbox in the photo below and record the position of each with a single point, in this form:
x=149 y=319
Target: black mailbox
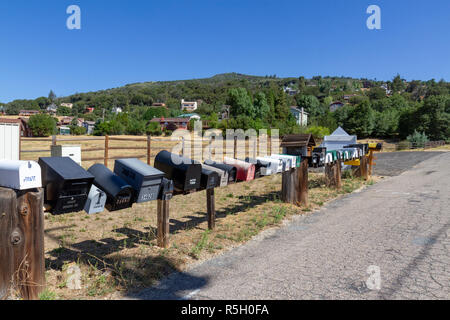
x=145 y=180
x=66 y=184
x=185 y=173
x=318 y=157
x=210 y=179
x=166 y=192
x=232 y=170
x=119 y=193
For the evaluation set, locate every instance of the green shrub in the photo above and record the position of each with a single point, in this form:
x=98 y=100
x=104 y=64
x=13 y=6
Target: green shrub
x=77 y=131
x=417 y=139
x=42 y=125
x=154 y=129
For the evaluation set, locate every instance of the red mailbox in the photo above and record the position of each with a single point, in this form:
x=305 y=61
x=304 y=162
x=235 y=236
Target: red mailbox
x=245 y=170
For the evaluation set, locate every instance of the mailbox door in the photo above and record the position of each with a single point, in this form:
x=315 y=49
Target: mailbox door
x=149 y=190
x=96 y=201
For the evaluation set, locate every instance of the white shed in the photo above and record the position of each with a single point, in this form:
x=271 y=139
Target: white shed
x=9 y=141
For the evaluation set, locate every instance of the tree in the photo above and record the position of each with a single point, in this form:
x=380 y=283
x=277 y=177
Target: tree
x=51 y=96
x=42 y=125
x=154 y=129
x=397 y=84
x=311 y=105
x=377 y=93
x=435 y=117
x=361 y=120
x=261 y=105
x=386 y=123
x=240 y=102
x=63 y=111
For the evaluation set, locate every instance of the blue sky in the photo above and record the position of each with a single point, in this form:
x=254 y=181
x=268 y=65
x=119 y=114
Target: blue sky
x=125 y=42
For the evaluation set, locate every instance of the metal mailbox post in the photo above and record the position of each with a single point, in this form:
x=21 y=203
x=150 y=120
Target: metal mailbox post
x=119 y=193
x=223 y=175
x=229 y=169
x=185 y=173
x=144 y=179
x=166 y=192
x=20 y=175
x=245 y=170
x=67 y=185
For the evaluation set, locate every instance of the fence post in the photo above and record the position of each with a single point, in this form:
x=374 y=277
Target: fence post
x=106 y=150
x=54 y=140
x=302 y=190
x=149 y=149
x=22 y=267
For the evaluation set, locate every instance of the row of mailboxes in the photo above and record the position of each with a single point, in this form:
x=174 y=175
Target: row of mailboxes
x=230 y=170
x=364 y=147
x=223 y=175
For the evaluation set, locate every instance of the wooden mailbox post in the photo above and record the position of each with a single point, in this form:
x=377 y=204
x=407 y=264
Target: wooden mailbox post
x=22 y=265
x=333 y=175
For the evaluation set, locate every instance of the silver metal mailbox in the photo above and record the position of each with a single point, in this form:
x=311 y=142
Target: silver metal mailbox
x=20 y=175
x=223 y=175
x=96 y=201
x=276 y=165
x=144 y=179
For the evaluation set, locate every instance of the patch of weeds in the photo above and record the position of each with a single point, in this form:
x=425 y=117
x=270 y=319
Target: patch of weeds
x=47 y=295
x=100 y=286
x=279 y=213
x=201 y=244
x=230 y=195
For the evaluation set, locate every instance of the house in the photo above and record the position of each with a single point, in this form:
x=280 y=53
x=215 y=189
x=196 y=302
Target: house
x=80 y=122
x=52 y=109
x=336 y=105
x=67 y=105
x=89 y=125
x=386 y=88
x=28 y=113
x=90 y=110
x=65 y=121
x=225 y=112
x=25 y=130
x=347 y=97
x=172 y=123
x=117 y=110
x=188 y=106
x=2 y=110
x=191 y=116
x=338 y=140
x=300 y=115
x=64 y=131
x=290 y=91
x=159 y=104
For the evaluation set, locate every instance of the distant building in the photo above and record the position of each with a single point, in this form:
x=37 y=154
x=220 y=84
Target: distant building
x=65 y=121
x=25 y=130
x=225 y=113
x=67 y=105
x=117 y=110
x=172 y=123
x=188 y=106
x=336 y=105
x=290 y=91
x=347 y=97
x=190 y=116
x=300 y=115
x=52 y=109
x=89 y=125
x=64 y=131
x=159 y=104
x=28 y=113
x=90 y=110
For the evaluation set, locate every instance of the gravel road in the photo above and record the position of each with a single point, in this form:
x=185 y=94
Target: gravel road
x=389 y=241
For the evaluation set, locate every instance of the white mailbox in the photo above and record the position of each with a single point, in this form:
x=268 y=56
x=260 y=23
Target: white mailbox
x=20 y=175
x=96 y=201
x=71 y=151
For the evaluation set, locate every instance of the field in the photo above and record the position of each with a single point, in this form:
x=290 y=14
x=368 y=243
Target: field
x=117 y=252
